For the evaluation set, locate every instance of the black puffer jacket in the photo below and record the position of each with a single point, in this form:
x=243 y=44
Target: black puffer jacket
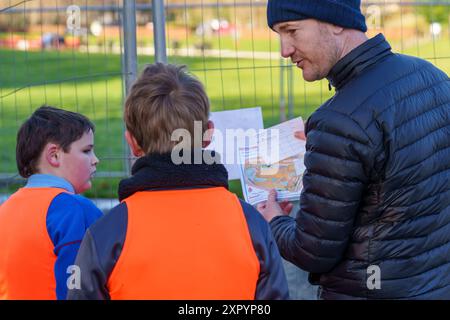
x=377 y=185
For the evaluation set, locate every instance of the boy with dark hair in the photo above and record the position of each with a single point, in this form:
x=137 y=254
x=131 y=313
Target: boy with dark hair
x=42 y=224
x=178 y=233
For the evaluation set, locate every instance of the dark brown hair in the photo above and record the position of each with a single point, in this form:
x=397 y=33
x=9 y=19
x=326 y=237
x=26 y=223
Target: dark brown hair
x=164 y=98
x=47 y=125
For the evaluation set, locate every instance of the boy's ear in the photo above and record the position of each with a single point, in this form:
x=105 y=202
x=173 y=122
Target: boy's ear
x=208 y=135
x=51 y=154
x=135 y=148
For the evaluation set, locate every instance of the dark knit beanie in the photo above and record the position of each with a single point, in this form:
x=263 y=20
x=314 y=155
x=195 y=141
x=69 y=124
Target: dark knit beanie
x=344 y=13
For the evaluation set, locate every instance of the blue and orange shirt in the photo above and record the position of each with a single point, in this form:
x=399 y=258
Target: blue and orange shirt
x=41 y=228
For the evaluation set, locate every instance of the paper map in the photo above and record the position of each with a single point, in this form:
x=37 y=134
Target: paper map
x=282 y=169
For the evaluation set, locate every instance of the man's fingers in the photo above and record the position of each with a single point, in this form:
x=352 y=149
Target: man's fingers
x=272 y=196
x=300 y=135
x=286 y=206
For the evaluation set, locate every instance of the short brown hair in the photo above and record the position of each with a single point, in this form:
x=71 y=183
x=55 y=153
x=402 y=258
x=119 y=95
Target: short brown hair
x=164 y=98
x=47 y=124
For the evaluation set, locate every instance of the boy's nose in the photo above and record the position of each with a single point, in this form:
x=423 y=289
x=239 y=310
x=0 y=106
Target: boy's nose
x=95 y=160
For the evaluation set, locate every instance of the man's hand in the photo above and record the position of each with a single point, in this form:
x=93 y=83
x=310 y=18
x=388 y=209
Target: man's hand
x=271 y=208
x=300 y=135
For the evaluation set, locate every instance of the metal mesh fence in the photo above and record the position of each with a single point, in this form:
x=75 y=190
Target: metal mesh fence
x=61 y=54
x=73 y=54
x=80 y=55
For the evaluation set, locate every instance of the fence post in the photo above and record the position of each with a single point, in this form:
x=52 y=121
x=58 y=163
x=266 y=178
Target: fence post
x=130 y=59
x=159 y=30
x=129 y=39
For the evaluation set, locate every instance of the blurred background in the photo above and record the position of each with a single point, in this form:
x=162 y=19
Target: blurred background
x=82 y=55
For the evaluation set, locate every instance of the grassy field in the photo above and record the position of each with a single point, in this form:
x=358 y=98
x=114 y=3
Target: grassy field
x=92 y=85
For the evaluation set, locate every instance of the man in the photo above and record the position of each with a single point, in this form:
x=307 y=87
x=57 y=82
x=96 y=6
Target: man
x=374 y=217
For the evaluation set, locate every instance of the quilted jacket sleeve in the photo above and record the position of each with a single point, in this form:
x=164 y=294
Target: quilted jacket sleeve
x=337 y=152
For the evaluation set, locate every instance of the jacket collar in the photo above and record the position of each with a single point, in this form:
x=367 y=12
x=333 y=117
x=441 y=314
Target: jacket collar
x=357 y=60
x=158 y=172
x=40 y=180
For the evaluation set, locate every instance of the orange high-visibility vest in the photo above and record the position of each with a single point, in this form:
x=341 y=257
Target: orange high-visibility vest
x=185 y=244
x=26 y=251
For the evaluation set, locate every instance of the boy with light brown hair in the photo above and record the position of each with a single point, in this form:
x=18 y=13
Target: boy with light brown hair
x=178 y=232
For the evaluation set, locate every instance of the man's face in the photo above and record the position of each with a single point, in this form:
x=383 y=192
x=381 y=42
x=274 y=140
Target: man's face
x=310 y=45
x=79 y=164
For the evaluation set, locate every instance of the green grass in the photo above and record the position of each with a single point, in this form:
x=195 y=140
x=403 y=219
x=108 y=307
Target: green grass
x=228 y=42
x=91 y=84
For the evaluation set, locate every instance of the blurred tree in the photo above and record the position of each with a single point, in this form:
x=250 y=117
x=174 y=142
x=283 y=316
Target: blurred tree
x=435 y=13
x=15 y=22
